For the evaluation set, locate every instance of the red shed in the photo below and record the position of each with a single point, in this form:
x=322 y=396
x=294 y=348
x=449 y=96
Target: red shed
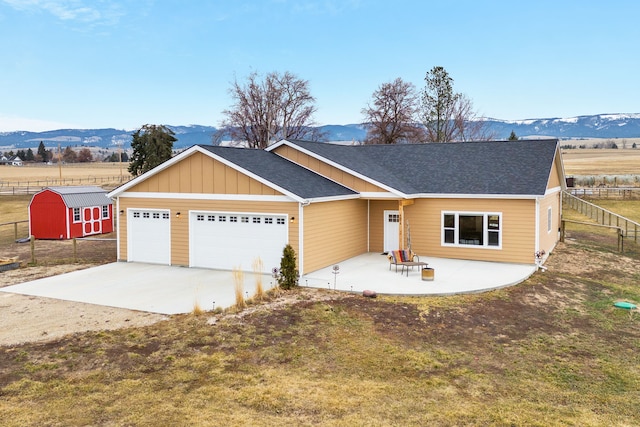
x=68 y=212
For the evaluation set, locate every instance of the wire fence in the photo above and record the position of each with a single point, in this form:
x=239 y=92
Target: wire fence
x=606 y=193
x=31 y=187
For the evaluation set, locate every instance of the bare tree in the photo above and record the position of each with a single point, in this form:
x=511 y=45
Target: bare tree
x=391 y=116
x=468 y=125
x=265 y=111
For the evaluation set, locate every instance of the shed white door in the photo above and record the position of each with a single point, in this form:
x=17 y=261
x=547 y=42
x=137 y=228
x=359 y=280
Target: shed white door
x=391 y=230
x=149 y=236
x=229 y=240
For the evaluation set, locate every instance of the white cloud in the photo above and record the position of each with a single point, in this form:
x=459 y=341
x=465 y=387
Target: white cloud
x=70 y=10
x=13 y=123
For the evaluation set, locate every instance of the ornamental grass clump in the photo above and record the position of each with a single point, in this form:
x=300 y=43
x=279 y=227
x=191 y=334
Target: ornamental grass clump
x=238 y=277
x=258 y=266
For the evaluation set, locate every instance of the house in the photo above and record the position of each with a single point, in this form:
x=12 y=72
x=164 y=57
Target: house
x=11 y=161
x=222 y=207
x=68 y=212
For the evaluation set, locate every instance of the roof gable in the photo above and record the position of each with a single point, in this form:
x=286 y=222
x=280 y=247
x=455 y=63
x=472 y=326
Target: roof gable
x=81 y=196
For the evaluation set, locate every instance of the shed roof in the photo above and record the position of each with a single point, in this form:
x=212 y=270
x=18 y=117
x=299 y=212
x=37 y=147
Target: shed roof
x=82 y=196
x=488 y=168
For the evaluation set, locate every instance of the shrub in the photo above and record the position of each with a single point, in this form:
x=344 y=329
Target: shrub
x=288 y=276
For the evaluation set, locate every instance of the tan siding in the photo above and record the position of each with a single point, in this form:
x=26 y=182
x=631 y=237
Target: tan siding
x=199 y=173
x=335 y=174
x=333 y=232
x=518 y=229
x=376 y=222
x=180 y=226
x=548 y=239
x=554 y=178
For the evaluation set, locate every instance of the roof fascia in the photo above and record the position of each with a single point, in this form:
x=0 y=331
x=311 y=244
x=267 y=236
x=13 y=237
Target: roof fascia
x=335 y=165
x=214 y=156
x=474 y=196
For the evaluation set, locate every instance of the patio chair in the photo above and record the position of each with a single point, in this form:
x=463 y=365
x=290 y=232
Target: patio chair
x=402 y=258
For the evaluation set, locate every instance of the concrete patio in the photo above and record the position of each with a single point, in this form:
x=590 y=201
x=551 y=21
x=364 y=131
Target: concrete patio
x=172 y=290
x=452 y=276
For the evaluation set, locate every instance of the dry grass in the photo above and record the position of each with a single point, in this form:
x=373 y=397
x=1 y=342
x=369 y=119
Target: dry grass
x=39 y=171
x=258 y=267
x=585 y=162
x=238 y=278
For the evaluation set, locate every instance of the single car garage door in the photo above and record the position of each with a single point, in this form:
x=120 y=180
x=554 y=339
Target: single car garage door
x=229 y=240
x=149 y=236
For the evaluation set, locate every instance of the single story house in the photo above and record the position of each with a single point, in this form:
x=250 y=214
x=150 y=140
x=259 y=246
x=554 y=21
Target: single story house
x=11 y=161
x=222 y=207
x=69 y=212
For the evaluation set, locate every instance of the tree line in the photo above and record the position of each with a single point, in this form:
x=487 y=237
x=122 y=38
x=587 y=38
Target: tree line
x=280 y=106
x=68 y=155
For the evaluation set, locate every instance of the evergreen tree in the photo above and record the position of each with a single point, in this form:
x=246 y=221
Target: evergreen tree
x=42 y=153
x=513 y=136
x=152 y=145
x=29 y=156
x=288 y=276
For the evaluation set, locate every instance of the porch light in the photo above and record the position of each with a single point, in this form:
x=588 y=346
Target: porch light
x=178 y=215
x=121 y=211
x=293 y=219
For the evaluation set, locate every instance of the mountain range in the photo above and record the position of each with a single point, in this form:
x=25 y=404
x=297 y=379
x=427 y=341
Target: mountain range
x=608 y=126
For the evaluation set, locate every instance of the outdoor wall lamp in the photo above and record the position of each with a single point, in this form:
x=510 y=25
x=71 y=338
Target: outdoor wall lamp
x=121 y=211
x=177 y=214
x=293 y=219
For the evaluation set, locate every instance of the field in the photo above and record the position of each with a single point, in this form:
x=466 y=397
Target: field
x=601 y=162
x=42 y=172
x=550 y=351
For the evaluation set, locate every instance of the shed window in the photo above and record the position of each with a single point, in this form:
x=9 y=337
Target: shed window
x=472 y=229
x=105 y=212
x=76 y=214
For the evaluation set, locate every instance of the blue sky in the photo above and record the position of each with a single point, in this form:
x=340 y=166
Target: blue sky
x=125 y=63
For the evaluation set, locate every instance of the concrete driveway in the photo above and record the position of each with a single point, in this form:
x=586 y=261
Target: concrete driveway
x=144 y=287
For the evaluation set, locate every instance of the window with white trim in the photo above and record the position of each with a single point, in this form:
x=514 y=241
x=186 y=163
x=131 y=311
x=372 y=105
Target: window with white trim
x=76 y=214
x=105 y=212
x=549 y=220
x=475 y=229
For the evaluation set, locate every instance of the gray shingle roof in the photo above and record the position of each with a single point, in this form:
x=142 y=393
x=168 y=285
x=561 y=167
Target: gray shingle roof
x=81 y=196
x=281 y=172
x=478 y=168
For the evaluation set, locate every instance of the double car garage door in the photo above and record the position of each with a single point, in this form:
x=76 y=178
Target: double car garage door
x=220 y=240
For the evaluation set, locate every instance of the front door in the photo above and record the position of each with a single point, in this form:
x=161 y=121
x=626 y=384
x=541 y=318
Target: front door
x=391 y=230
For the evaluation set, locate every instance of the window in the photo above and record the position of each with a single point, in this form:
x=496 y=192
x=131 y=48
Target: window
x=472 y=229
x=165 y=215
x=76 y=214
x=279 y=221
x=393 y=218
x=211 y=217
x=136 y=214
x=256 y=220
x=156 y=215
x=244 y=219
x=199 y=217
x=233 y=218
x=145 y=214
x=549 y=220
x=268 y=220
x=222 y=218
x=105 y=212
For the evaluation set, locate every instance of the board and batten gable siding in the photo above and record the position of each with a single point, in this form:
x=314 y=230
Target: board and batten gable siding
x=328 y=171
x=180 y=226
x=333 y=232
x=376 y=222
x=518 y=229
x=199 y=173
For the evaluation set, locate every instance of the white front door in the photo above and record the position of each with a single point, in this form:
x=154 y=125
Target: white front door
x=149 y=236
x=230 y=240
x=391 y=230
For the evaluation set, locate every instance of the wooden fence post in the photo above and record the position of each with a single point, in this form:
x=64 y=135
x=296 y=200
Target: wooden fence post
x=75 y=250
x=32 y=241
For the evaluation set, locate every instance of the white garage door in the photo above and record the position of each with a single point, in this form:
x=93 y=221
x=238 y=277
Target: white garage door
x=225 y=240
x=149 y=236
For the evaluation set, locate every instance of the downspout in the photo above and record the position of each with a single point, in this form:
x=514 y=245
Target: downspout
x=369 y=225
x=117 y=228
x=537 y=232
x=301 y=236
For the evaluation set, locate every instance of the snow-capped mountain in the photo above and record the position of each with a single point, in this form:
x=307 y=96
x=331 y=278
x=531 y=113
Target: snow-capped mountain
x=596 y=126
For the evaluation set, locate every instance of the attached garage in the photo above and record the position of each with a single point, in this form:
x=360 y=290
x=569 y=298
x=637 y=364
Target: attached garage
x=149 y=235
x=229 y=240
